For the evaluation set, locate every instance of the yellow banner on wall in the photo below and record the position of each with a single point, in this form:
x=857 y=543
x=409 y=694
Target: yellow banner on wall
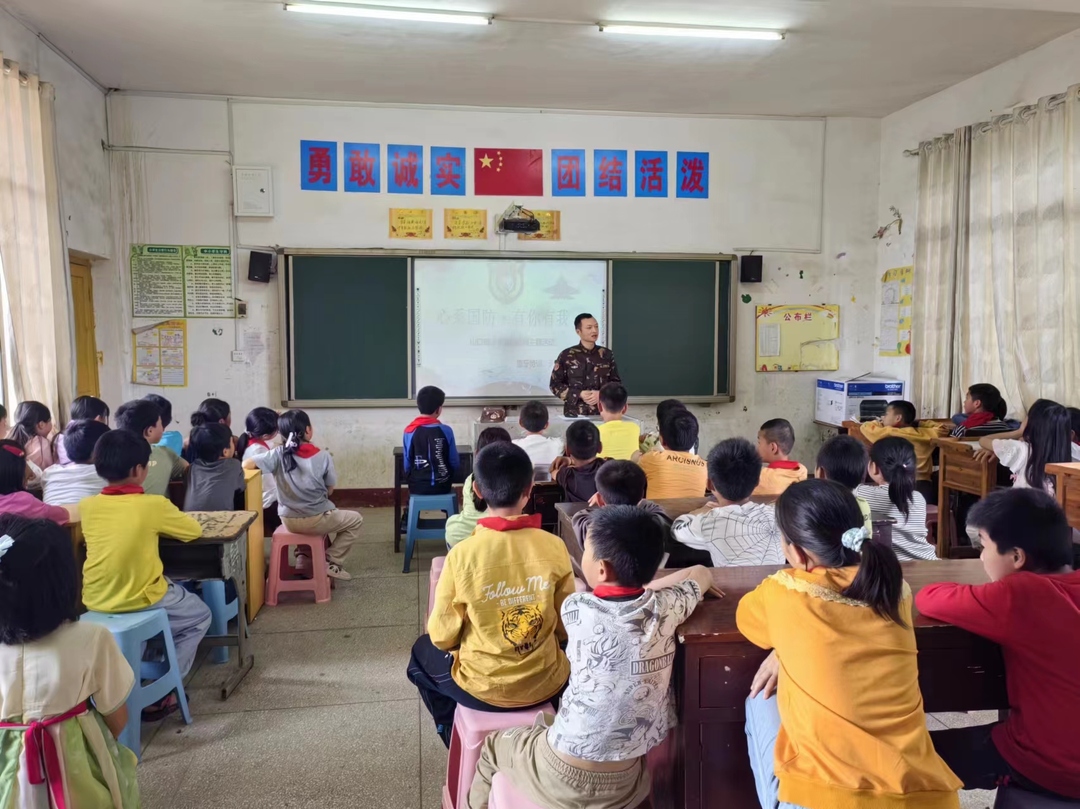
x=159 y=354
x=797 y=337
x=550 y=228
x=896 y=298
x=465 y=223
x=410 y=223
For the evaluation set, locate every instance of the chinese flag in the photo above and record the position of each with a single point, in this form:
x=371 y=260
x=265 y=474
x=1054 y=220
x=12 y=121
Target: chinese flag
x=509 y=172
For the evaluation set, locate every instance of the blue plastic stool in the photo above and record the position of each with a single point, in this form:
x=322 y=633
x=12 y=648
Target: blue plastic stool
x=446 y=503
x=213 y=595
x=132 y=630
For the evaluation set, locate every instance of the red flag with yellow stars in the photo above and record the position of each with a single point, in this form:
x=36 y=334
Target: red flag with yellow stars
x=508 y=172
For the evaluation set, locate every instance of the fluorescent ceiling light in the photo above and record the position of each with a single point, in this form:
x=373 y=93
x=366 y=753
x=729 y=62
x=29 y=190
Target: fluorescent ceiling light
x=386 y=13
x=648 y=29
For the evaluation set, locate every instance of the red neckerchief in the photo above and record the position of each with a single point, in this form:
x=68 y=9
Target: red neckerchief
x=978 y=419
x=259 y=442
x=616 y=591
x=421 y=421
x=307 y=450
x=511 y=523
x=127 y=488
x=784 y=465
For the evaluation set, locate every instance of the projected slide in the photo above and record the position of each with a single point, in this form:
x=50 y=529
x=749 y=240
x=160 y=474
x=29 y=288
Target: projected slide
x=493 y=327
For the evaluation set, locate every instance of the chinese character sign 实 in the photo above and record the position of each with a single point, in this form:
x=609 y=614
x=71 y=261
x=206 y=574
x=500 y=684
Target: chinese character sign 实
x=568 y=172
x=404 y=169
x=448 y=171
x=609 y=173
x=650 y=174
x=692 y=181
x=318 y=165
x=362 y=168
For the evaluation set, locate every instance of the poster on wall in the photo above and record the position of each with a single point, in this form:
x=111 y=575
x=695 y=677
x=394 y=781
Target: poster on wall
x=465 y=223
x=550 y=228
x=159 y=354
x=208 y=282
x=896 y=297
x=797 y=337
x=157 y=280
x=410 y=223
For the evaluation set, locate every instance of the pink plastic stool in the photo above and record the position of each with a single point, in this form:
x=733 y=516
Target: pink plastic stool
x=282 y=577
x=433 y=579
x=504 y=796
x=470 y=729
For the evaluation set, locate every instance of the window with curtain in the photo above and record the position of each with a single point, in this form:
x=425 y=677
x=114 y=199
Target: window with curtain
x=996 y=259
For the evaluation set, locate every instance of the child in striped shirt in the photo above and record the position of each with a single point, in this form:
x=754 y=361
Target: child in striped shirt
x=893 y=496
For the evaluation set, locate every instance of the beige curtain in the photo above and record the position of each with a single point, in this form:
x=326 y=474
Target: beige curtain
x=1018 y=301
x=940 y=245
x=38 y=351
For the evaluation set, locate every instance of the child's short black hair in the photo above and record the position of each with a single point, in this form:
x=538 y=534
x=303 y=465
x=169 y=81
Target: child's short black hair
x=581 y=319
x=989 y=399
x=209 y=441
x=88 y=407
x=666 y=408
x=844 y=459
x=629 y=539
x=1028 y=519
x=621 y=483
x=613 y=397
x=118 y=452
x=734 y=469
x=429 y=399
x=781 y=433
x=211 y=411
x=533 y=417
x=491 y=435
x=582 y=440
x=39 y=583
x=12 y=467
x=80 y=437
x=679 y=431
x=137 y=417
x=1074 y=422
x=163 y=405
x=504 y=473
x=906 y=412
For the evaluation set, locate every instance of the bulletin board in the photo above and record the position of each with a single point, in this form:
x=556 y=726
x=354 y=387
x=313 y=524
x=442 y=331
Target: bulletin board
x=797 y=337
x=896 y=294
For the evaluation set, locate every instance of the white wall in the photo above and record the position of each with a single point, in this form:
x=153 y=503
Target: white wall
x=185 y=199
x=1044 y=71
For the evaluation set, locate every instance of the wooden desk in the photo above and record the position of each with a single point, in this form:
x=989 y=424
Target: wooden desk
x=465 y=454
x=1067 y=489
x=959 y=471
x=256 y=546
x=715 y=666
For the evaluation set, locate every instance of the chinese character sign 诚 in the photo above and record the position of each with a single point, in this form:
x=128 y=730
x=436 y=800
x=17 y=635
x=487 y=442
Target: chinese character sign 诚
x=404 y=169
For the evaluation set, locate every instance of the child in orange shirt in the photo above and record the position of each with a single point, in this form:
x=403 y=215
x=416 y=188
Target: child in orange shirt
x=901 y=421
x=775 y=440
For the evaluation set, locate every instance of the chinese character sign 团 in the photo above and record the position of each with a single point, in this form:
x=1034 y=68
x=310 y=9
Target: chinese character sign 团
x=568 y=172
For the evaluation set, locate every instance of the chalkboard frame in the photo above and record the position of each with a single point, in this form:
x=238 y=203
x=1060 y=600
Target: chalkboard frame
x=723 y=390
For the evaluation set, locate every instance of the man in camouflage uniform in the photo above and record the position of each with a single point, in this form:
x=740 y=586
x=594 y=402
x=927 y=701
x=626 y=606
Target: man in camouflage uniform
x=581 y=370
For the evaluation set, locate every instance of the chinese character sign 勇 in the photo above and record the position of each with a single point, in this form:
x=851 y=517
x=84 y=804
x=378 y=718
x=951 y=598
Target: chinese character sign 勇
x=318 y=165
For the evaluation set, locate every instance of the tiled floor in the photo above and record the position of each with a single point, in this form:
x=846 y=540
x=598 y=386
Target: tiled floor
x=326 y=718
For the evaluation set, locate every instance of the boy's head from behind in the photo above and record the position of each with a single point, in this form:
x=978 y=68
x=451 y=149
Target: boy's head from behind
x=624 y=546
x=12 y=467
x=621 y=483
x=613 y=398
x=81 y=437
x=734 y=469
x=900 y=414
x=775 y=440
x=503 y=476
x=211 y=442
x=666 y=408
x=141 y=417
x=843 y=458
x=985 y=397
x=582 y=441
x=39 y=585
x=1022 y=529
x=679 y=431
x=121 y=456
x=430 y=400
x=491 y=435
x=164 y=406
x=533 y=417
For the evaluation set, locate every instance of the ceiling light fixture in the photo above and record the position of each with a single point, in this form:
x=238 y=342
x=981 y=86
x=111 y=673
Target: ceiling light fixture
x=386 y=13
x=649 y=29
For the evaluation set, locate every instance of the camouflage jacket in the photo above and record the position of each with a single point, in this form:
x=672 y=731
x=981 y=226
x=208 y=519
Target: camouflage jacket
x=578 y=368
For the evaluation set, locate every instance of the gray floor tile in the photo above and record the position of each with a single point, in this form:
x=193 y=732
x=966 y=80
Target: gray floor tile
x=977 y=799
x=960 y=720
x=304 y=669
x=933 y=723
x=309 y=758
x=389 y=601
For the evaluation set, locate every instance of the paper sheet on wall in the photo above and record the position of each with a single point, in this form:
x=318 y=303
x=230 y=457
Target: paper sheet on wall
x=896 y=298
x=797 y=337
x=175 y=281
x=208 y=282
x=159 y=354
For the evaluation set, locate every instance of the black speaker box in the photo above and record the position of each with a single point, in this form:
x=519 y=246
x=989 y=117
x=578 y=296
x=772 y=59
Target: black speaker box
x=749 y=269
x=261 y=266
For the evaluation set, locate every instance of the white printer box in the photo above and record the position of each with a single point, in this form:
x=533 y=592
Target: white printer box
x=838 y=397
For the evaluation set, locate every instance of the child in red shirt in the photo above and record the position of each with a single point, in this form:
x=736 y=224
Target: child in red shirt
x=1032 y=608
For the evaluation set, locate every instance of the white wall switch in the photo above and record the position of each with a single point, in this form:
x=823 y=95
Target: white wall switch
x=238 y=356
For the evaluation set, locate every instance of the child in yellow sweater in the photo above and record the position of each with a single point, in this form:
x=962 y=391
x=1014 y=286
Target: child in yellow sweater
x=775 y=440
x=847 y=728
x=494 y=631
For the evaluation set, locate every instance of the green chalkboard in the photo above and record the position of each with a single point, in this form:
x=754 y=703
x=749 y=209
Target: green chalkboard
x=664 y=326
x=349 y=318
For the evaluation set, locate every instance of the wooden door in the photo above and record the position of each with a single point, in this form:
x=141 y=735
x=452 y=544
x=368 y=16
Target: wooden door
x=86 y=361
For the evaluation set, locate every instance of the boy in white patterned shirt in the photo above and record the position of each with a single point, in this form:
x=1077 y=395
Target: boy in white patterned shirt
x=617 y=705
x=735 y=531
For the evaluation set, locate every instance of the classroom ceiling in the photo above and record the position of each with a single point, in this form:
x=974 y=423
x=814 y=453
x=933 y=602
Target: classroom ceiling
x=841 y=57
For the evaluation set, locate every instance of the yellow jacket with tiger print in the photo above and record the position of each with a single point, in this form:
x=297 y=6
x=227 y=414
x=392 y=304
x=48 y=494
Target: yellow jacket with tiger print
x=497 y=608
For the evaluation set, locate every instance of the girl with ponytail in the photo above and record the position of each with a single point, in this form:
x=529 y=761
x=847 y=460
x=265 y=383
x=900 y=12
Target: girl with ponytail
x=892 y=496
x=847 y=727
x=257 y=439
